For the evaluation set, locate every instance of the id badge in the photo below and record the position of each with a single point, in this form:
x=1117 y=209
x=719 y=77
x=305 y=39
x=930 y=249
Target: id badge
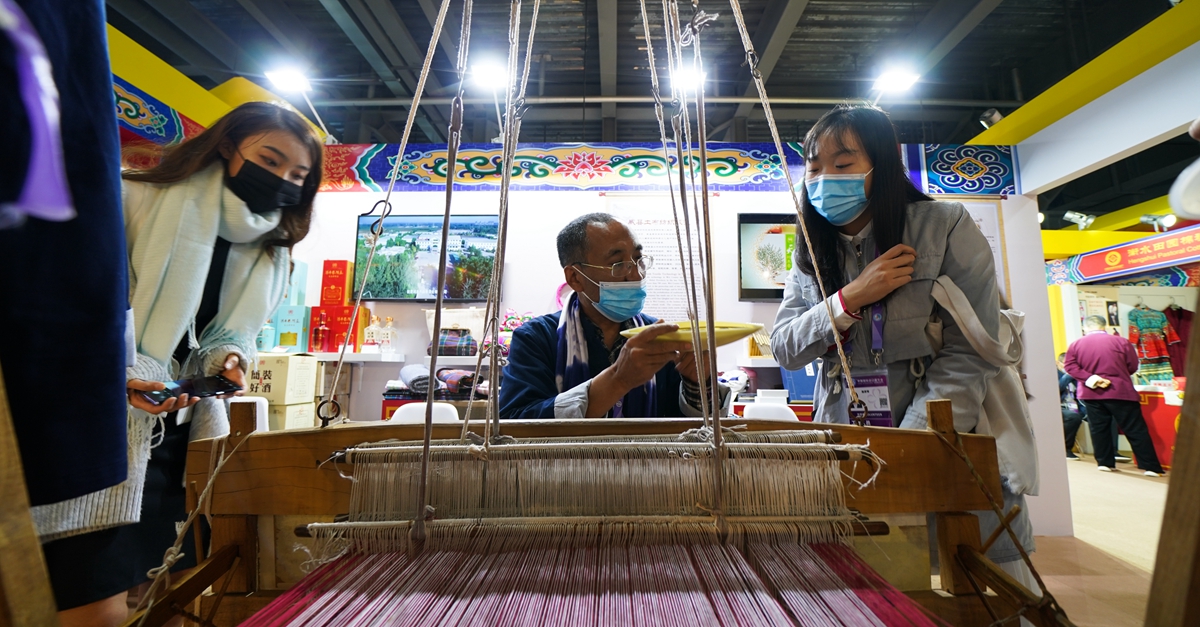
x=872 y=388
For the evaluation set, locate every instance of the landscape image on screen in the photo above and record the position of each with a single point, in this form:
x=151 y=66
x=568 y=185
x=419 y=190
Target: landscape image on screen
x=406 y=259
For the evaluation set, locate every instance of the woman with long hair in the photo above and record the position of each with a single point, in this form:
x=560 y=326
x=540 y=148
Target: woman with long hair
x=878 y=246
x=209 y=233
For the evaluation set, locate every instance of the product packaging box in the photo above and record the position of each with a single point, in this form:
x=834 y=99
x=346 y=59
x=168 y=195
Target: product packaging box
x=291 y=328
x=325 y=379
x=268 y=335
x=297 y=416
x=337 y=280
x=284 y=379
x=298 y=285
x=338 y=321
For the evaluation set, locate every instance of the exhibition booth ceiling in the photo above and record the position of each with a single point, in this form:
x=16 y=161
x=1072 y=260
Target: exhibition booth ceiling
x=973 y=56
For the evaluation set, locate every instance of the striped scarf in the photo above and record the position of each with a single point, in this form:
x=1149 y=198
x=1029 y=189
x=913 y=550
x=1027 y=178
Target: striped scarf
x=571 y=366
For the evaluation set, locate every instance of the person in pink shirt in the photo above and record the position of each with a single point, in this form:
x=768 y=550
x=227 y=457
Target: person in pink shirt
x=1103 y=365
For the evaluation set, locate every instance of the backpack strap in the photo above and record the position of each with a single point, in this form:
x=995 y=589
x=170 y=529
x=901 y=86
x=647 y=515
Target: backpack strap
x=997 y=353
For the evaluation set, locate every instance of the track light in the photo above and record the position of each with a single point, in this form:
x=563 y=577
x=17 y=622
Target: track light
x=1084 y=221
x=896 y=80
x=1160 y=222
x=990 y=118
x=687 y=80
x=289 y=80
x=294 y=81
x=490 y=75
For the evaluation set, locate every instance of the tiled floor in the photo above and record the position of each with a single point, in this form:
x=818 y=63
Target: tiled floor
x=1093 y=587
x=1101 y=577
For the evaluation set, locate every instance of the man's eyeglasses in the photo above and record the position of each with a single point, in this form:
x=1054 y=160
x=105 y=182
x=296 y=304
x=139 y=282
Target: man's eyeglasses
x=621 y=269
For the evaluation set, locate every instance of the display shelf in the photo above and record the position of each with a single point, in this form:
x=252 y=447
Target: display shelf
x=456 y=360
x=362 y=358
x=746 y=361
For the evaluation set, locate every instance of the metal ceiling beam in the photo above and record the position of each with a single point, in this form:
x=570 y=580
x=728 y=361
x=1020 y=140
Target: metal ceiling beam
x=286 y=28
x=642 y=113
x=579 y=100
x=196 y=26
x=383 y=23
x=947 y=24
x=159 y=28
x=778 y=22
x=380 y=65
x=606 y=13
x=1130 y=187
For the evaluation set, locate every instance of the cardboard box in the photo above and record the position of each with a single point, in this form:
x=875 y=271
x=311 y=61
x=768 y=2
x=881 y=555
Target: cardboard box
x=284 y=379
x=325 y=379
x=291 y=328
x=337 y=281
x=297 y=416
x=297 y=289
x=338 y=321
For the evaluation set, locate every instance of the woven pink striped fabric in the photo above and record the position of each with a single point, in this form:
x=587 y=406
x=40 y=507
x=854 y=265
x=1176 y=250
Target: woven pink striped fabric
x=508 y=581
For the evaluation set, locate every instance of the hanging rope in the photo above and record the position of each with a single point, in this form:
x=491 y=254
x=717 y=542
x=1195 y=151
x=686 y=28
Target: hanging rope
x=331 y=405
x=756 y=75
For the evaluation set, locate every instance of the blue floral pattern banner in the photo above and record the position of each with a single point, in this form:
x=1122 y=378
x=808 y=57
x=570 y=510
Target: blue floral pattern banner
x=968 y=169
x=940 y=169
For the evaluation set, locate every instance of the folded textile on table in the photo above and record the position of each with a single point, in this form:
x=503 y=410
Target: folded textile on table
x=416 y=377
x=394 y=385
x=456 y=379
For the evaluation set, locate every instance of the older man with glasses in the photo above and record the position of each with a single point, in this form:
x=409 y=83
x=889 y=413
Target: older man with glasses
x=576 y=364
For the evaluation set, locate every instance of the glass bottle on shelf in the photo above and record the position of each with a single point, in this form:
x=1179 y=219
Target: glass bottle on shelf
x=321 y=337
x=266 y=336
x=371 y=336
x=388 y=337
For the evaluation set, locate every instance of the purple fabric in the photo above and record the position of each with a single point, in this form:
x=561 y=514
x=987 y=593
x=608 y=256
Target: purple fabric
x=45 y=194
x=1109 y=356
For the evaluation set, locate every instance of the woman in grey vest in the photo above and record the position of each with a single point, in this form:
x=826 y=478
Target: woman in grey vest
x=878 y=245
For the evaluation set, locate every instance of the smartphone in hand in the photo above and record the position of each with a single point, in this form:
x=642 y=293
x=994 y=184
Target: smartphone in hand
x=200 y=387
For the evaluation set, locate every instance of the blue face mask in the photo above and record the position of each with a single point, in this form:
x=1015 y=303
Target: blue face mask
x=840 y=198
x=619 y=300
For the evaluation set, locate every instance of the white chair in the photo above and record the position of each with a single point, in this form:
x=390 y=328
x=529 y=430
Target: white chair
x=414 y=414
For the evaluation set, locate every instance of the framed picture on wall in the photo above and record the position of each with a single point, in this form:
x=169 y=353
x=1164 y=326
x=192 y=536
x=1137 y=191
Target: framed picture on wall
x=766 y=250
x=409 y=251
x=990 y=220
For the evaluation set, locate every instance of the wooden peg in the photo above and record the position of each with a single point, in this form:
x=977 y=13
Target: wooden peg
x=940 y=416
x=243 y=419
x=954 y=529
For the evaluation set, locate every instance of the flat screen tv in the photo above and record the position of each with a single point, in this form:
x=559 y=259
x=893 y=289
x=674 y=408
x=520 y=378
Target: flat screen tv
x=406 y=260
x=766 y=246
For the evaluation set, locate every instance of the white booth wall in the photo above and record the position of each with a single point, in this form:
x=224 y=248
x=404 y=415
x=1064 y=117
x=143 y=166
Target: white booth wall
x=533 y=274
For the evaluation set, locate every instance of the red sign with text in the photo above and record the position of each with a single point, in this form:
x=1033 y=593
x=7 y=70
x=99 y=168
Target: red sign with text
x=1166 y=249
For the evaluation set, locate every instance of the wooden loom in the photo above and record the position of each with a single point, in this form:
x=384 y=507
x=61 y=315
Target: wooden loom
x=281 y=473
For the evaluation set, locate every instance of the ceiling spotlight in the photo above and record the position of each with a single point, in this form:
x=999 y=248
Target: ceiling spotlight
x=289 y=80
x=1084 y=221
x=1160 y=222
x=687 y=79
x=896 y=80
x=490 y=75
x=1041 y=217
x=990 y=118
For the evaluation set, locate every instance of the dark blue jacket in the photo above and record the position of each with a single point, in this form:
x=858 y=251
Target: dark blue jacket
x=529 y=389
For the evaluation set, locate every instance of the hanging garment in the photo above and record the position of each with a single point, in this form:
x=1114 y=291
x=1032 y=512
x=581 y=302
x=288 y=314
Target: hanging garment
x=1151 y=334
x=64 y=286
x=1180 y=319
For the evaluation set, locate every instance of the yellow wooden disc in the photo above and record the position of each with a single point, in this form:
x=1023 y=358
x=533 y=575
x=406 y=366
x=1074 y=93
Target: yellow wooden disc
x=727 y=332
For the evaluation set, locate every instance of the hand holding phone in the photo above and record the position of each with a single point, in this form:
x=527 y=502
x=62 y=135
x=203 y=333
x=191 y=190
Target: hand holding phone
x=137 y=388
x=159 y=397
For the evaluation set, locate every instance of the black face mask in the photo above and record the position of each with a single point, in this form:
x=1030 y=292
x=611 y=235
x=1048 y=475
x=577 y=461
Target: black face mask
x=261 y=190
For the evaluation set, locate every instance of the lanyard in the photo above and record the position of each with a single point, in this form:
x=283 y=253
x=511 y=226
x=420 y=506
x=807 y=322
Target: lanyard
x=876 y=317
